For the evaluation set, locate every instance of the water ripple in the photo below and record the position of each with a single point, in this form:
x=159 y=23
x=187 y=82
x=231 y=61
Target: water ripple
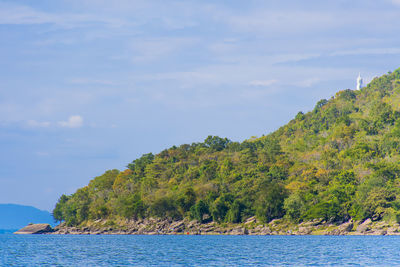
x=69 y=250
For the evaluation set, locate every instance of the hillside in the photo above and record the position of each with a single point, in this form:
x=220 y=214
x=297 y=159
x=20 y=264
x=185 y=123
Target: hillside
x=336 y=162
x=14 y=216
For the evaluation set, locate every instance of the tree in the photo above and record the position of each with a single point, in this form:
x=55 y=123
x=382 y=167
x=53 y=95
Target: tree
x=104 y=182
x=234 y=214
x=138 y=166
x=216 y=143
x=199 y=210
x=294 y=206
x=130 y=206
x=164 y=207
x=59 y=210
x=270 y=202
x=186 y=200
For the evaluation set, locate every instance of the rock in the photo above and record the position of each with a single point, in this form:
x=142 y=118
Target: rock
x=274 y=221
x=250 y=226
x=304 y=231
x=346 y=227
x=192 y=223
x=177 y=224
x=364 y=227
x=239 y=231
x=206 y=217
x=334 y=232
x=250 y=220
x=39 y=228
x=311 y=223
x=381 y=225
x=393 y=230
x=382 y=232
x=265 y=231
x=316 y=222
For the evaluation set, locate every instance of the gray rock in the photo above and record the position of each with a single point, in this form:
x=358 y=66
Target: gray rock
x=177 y=224
x=364 y=227
x=250 y=220
x=39 y=228
x=334 y=232
x=304 y=231
x=265 y=231
x=239 y=231
x=346 y=227
x=192 y=224
x=393 y=230
x=383 y=232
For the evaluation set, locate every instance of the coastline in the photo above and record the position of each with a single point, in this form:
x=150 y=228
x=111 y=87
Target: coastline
x=152 y=226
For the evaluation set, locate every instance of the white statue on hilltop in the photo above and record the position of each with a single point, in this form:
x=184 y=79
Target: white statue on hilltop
x=359 y=82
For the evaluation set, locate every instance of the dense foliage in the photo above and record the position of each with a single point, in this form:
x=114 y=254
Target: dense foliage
x=340 y=160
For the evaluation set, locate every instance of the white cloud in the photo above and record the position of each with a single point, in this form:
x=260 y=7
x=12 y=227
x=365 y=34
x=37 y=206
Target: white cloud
x=86 y=81
x=226 y=46
x=263 y=82
x=368 y=51
x=42 y=153
x=75 y=121
x=145 y=50
x=396 y=2
x=34 y=123
x=278 y=21
x=25 y=15
x=307 y=82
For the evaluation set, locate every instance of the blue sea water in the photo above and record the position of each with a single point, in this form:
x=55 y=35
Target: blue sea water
x=106 y=250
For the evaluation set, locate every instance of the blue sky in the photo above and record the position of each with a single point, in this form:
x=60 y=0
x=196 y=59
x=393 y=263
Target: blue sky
x=90 y=85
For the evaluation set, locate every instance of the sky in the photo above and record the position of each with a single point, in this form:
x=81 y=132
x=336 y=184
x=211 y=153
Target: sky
x=90 y=85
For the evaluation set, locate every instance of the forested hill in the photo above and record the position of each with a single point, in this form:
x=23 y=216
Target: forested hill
x=339 y=161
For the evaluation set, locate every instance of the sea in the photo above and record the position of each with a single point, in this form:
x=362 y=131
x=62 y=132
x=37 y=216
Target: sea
x=190 y=250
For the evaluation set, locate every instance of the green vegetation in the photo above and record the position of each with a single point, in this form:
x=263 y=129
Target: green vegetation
x=339 y=161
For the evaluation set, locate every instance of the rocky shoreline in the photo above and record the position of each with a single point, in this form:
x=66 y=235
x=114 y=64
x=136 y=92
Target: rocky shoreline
x=152 y=226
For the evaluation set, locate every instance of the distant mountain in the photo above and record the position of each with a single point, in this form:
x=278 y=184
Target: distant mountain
x=14 y=216
x=7 y=231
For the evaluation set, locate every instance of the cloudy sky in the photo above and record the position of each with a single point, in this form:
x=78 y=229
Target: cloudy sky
x=90 y=85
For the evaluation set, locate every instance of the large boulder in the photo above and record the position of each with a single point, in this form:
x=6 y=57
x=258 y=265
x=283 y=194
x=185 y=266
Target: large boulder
x=39 y=228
